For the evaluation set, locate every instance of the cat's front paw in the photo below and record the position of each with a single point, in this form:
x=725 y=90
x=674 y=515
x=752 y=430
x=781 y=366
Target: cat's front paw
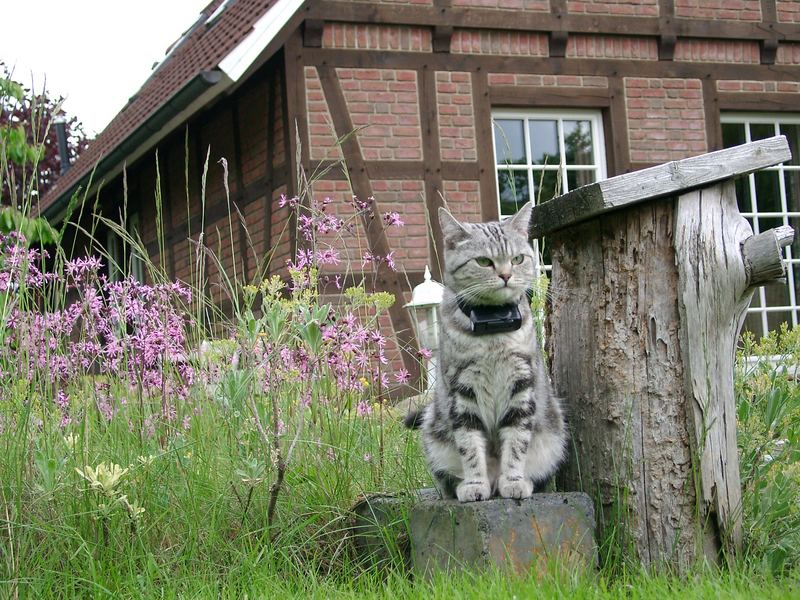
x=514 y=487
x=473 y=491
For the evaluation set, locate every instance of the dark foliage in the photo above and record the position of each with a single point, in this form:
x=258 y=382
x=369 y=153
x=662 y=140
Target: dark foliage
x=30 y=158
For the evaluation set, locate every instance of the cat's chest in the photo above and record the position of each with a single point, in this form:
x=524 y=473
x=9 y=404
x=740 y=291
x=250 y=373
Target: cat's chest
x=489 y=371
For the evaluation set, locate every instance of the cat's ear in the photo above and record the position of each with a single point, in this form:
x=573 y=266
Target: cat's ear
x=452 y=231
x=521 y=221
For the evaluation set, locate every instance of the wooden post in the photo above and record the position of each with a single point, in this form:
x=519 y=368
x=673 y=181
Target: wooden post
x=652 y=274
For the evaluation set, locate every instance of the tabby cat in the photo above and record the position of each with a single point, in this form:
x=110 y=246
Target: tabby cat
x=494 y=425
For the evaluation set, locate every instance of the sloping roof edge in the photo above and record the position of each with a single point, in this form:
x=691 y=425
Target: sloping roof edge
x=179 y=107
x=197 y=93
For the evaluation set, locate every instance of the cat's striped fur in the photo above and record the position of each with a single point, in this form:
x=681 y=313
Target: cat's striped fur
x=494 y=425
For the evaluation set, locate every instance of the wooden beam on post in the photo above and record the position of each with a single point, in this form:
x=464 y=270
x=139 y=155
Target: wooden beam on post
x=652 y=274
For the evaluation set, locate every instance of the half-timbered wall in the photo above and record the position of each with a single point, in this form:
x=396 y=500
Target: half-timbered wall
x=247 y=132
x=417 y=81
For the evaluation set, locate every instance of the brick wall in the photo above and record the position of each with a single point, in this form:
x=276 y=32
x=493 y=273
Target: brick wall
x=717 y=51
x=253 y=108
x=185 y=257
x=788 y=11
x=599 y=46
x=463 y=199
x=456 y=116
x=524 y=79
x=637 y=8
x=728 y=10
x=225 y=261
x=665 y=119
x=788 y=54
x=409 y=242
x=351 y=243
x=744 y=85
x=322 y=143
x=376 y=37
x=281 y=237
x=216 y=139
x=527 y=5
x=501 y=43
x=385 y=103
x=278 y=151
x=256 y=236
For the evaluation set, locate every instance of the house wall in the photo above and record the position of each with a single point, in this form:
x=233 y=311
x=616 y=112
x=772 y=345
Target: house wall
x=402 y=92
x=418 y=80
x=240 y=147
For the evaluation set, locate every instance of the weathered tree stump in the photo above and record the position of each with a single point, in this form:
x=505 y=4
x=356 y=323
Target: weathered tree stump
x=652 y=274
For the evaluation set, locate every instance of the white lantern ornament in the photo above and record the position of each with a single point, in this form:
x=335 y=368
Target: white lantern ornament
x=424 y=309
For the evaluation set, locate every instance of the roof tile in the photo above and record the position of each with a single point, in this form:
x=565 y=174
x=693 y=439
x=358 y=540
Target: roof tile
x=202 y=49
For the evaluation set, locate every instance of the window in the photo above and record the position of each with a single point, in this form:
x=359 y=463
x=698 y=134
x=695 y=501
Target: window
x=542 y=154
x=769 y=198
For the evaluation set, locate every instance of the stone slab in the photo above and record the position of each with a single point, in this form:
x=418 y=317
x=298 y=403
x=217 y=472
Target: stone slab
x=428 y=534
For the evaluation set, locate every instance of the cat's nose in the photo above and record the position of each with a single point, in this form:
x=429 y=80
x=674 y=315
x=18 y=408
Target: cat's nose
x=505 y=277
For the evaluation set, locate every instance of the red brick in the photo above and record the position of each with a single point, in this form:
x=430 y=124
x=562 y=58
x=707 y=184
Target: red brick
x=730 y=10
x=663 y=118
x=500 y=43
x=604 y=47
x=638 y=8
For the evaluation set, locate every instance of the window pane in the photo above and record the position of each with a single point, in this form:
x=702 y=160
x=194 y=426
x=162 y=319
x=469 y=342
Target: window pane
x=768 y=192
x=509 y=142
x=795 y=268
x=578 y=143
x=513 y=186
x=743 y=195
x=776 y=319
x=733 y=134
x=546 y=185
x=792 y=133
x=544 y=142
x=752 y=323
x=576 y=179
x=794 y=223
x=759 y=131
x=791 y=183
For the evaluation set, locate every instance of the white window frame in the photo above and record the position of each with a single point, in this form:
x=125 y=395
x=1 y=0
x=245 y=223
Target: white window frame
x=594 y=116
x=754 y=215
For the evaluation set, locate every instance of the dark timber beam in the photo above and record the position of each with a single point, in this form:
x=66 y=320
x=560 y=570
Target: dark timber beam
x=484 y=139
x=546 y=22
x=370 y=59
x=432 y=159
x=711 y=114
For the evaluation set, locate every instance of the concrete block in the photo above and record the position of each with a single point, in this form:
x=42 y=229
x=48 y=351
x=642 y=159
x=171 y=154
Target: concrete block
x=425 y=533
x=521 y=536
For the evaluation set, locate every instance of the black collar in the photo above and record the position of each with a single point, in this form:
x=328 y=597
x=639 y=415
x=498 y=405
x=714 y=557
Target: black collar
x=492 y=319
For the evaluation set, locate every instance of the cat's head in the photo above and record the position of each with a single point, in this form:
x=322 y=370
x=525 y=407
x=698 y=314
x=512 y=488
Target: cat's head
x=488 y=263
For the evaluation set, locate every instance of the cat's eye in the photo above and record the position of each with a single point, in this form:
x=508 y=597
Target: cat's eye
x=517 y=260
x=484 y=261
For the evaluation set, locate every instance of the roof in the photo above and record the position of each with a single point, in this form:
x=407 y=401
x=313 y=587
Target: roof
x=214 y=52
